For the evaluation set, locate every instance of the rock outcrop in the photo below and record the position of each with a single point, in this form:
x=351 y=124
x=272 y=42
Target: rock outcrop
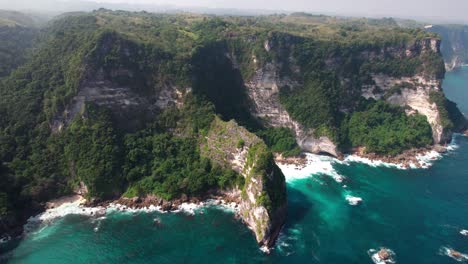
x=454 y=44
x=412 y=93
x=263 y=91
x=262 y=198
x=133 y=101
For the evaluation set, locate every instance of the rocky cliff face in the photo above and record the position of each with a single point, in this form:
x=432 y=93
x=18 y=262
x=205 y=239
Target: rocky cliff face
x=412 y=93
x=129 y=108
x=131 y=95
x=262 y=199
x=263 y=90
x=454 y=44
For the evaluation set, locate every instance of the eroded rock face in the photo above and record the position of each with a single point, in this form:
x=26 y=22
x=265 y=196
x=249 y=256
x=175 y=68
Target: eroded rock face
x=263 y=90
x=454 y=44
x=130 y=108
x=414 y=93
x=262 y=199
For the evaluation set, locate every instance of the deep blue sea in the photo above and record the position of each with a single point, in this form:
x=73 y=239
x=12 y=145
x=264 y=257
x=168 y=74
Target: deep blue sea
x=416 y=213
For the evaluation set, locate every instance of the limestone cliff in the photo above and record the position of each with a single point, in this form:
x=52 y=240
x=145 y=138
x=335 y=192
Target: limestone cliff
x=454 y=44
x=262 y=199
x=124 y=86
x=132 y=102
x=263 y=90
x=412 y=91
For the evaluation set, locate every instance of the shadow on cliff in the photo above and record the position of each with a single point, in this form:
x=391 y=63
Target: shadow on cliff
x=217 y=78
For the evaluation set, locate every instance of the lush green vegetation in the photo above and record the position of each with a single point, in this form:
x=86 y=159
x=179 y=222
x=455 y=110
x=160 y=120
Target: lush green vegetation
x=263 y=168
x=14 y=44
x=450 y=116
x=386 y=129
x=147 y=53
x=280 y=140
x=93 y=154
x=169 y=166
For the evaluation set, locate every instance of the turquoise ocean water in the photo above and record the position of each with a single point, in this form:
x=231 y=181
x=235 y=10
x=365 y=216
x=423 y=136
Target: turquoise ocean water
x=413 y=212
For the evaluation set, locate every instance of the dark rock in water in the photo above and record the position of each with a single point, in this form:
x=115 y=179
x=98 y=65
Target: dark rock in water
x=166 y=206
x=455 y=253
x=384 y=254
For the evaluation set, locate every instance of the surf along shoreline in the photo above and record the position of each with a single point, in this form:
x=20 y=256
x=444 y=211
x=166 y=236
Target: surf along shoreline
x=301 y=166
x=417 y=158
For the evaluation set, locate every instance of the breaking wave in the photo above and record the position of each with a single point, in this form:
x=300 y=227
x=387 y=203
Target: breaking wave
x=315 y=164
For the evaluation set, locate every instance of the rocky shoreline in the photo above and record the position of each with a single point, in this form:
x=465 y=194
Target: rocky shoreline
x=152 y=201
x=411 y=158
x=408 y=159
x=95 y=208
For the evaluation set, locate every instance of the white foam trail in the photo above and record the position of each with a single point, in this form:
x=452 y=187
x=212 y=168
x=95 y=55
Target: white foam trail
x=315 y=164
x=453 y=144
x=353 y=200
x=464 y=232
x=265 y=249
x=450 y=252
x=289 y=241
x=5 y=239
x=77 y=207
x=74 y=207
x=113 y=207
x=189 y=208
x=426 y=160
x=373 y=163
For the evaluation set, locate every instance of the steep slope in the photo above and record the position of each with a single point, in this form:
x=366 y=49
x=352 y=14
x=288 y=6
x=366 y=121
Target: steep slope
x=115 y=114
x=263 y=196
x=139 y=105
x=14 y=44
x=17 y=34
x=404 y=72
x=454 y=44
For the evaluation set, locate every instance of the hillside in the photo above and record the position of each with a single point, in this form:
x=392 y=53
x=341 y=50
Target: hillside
x=139 y=104
x=17 y=34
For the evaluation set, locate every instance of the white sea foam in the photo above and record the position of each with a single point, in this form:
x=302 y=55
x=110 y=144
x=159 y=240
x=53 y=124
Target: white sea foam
x=74 y=207
x=464 y=232
x=5 y=239
x=290 y=240
x=319 y=164
x=426 y=160
x=353 y=200
x=373 y=163
x=189 y=208
x=112 y=207
x=453 y=144
x=265 y=249
x=450 y=252
x=315 y=164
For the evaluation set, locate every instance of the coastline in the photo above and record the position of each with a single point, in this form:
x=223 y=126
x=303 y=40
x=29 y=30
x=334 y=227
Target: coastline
x=76 y=204
x=302 y=166
x=421 y=158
